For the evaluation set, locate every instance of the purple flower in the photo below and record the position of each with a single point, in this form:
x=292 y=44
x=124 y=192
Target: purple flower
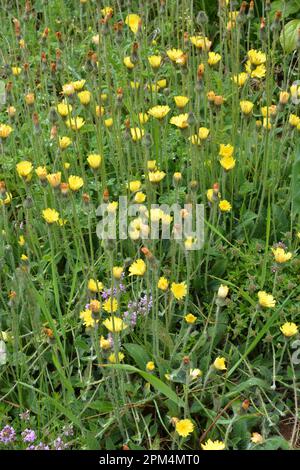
x=7 y=434
x=59 y=444
x=40 y=446
x=25 y=416
x=138 y=308
x=68 y=430
x=28 y=435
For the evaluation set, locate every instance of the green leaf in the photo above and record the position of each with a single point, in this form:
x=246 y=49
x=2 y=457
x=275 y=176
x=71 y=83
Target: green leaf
x=289 y=36
x=296 y=183
x=253 y=382
x=138 y=354
x=154 y=381
x=286 y=8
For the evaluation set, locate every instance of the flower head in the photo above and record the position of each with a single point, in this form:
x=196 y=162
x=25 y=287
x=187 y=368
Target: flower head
x=159 y=112
x=266 y=300
x=115 y=324
x=219 y=363
x=134 y=22
x=137 y=268
x=213 y=445
x=179 y=290
x=184 y=427
x=50 y=215
x=289 y=329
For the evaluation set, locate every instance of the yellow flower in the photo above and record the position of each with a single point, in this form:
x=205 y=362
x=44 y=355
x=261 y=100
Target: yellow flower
x=134 y=186
x=225 y=206
x=257 y=438
x=84 y=97
x=137 y=268
x=87 y=318
x=95 y=286
x=64 y=142
x=226 y=150
x=151 y=165
x=54 y=179
x=42 y=173
x=114 y=359
x=289 y=329
x=161 y=83
x=7 y=200
x=112 y=207
x=50 y=215
x=64 y=109
x=107 y=11
x=195 y=139
x=5 y=131
x=184 y=427
x=156 y=176
x=29 y=98
x=110 y=305
x=174 y=54
x=180 y=121
x=24 y=257
x=155 y=61
x=284 y=97
x=134 y=22
x=246 y=107
x=163 y=283
x=94 y=160
x=190 y=318
x=104 y=343
x=75 y=182
x=219 y=363
x=203 y=133
x=201 y=42
x=159 y=112
x=256 y=57
x=11 y=111
x=150 y=366
x=16 y=70
x=108 y=122
x=24 y=168
x=21 y=240
x=114 y=324
x=68 y=89
x=99 y=111
x=181 y=101
x=213 y=58
x=136 y=133
x=280 y=255
x=213 y=445
x=78 y=85
x=240 y=79
x=228 y=163
x=223 y=291
x=266 y=300
x=128 y=63
x=294 y=120
x=75 y=123
x=139 y=197
x=143 y=118
x=117 y=272
x=179 y=290
x=269 y=111
x=258 y=72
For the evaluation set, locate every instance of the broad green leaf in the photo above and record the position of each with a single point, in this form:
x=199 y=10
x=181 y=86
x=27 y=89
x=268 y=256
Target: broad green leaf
x=289 y=36
x=138 y=354
x=154 y=381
